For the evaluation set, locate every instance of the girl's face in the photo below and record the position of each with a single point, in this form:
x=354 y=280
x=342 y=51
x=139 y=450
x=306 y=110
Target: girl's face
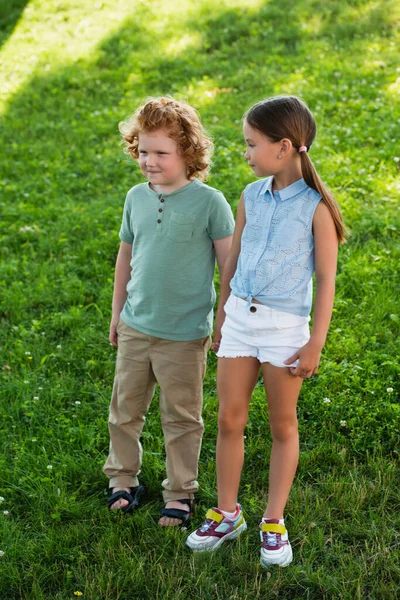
x=261 y=154
x=160 y=161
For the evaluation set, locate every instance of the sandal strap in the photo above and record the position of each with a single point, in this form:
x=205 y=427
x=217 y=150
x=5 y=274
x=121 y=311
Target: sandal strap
x=187 y=501
x=175 y=513
x=132 y=497
x=120 y=495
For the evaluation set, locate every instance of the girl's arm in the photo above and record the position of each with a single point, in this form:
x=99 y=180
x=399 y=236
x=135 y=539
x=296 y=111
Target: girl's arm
x=325 y=259
x=122 y=277
x=228 y=272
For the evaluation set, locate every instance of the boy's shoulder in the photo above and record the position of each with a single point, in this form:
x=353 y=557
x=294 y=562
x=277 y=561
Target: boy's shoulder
x=206 y=190
x=139 y=188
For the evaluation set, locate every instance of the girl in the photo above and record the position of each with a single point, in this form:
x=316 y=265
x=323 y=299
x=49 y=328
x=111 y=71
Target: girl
x=288 y=226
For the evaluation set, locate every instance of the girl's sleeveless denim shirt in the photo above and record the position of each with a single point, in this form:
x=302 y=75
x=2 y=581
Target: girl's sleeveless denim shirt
x=276 y=261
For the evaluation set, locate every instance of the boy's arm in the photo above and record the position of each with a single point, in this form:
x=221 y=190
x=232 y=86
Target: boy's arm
x=228 y=271
x=121 y=280
x=222 y=248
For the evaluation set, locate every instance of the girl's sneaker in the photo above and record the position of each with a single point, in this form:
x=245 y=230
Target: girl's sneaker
x=275 y=545
x=216 y=529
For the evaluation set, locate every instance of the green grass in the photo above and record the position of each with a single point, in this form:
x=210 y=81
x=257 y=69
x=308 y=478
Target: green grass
x=70 y=72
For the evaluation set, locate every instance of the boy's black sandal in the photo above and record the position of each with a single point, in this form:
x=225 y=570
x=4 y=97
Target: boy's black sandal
x=177 y=513
x=133 y=497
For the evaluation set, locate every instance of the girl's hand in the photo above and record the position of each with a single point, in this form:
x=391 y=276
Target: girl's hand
x=308 y=356
x=113 y=337
x=219 y=321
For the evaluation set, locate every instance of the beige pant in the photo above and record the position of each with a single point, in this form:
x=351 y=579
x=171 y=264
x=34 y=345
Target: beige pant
x=179 y=369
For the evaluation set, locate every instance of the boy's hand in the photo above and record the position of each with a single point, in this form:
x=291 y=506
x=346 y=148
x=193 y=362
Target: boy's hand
x=113 y=337
x=308 y=356
x=219 y=321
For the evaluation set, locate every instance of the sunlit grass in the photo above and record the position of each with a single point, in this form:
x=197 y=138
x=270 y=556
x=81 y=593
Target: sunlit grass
x=71 y=71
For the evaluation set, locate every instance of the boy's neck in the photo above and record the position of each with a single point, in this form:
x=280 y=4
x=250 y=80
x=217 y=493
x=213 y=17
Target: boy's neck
x=168 y=188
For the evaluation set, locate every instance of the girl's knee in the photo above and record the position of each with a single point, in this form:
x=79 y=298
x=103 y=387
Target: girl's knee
x=229 y=422
x=285 y=431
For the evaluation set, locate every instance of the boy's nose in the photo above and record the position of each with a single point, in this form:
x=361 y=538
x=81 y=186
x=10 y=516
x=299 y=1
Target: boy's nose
x=150 y=161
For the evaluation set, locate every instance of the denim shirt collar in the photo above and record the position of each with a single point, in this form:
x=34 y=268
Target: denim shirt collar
x=286 y=193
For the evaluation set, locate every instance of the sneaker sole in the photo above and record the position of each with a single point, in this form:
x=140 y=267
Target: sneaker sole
x=229 y=536
x=267 y=562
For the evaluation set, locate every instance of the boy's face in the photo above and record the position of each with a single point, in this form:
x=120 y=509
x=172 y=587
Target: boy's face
x=160 y=161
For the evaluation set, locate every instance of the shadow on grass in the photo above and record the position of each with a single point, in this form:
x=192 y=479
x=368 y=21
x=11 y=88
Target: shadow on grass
x=10 y=13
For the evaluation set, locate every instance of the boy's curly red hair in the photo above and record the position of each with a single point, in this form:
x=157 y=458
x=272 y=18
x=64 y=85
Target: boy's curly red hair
x=183 y=125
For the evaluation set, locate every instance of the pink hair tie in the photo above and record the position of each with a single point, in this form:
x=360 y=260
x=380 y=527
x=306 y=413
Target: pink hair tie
x=303 y=149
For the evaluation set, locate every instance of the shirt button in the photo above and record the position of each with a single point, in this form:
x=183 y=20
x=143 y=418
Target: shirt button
x=160 y=210
x=161 y=199
x=158 y=220
x=253 y=309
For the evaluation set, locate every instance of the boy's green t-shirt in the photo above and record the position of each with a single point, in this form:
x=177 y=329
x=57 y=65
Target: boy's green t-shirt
x=171 y=292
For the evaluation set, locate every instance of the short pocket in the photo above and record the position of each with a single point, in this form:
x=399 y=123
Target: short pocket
x=180 y=227
x=284 y=320
x=228 y=303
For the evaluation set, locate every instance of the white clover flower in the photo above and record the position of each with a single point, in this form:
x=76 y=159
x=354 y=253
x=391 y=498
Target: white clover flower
x=59 y=346
x=343 y=423
x=49 y=467
x=36 y=397
x=396 y=158
x=33 y=440
x=77 y=402
x=327 y=401
x=27 y=353
x=5 y=512
x=1 y=499
x=1 y=553
x=390 y=390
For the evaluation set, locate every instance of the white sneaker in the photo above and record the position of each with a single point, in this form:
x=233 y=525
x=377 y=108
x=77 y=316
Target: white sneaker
x=275 y=545
x=215 y=530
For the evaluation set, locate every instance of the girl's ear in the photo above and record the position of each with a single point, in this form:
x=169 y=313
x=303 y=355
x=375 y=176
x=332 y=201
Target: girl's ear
x=286 y=147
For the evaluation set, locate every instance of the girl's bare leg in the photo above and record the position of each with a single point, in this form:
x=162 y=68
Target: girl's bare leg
x=282 y=390
x=236 y=379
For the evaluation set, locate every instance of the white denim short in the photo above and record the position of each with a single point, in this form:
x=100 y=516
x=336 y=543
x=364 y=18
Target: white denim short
x=265 y=333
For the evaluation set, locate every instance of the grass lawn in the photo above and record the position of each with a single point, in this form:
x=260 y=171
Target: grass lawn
x=70 y=71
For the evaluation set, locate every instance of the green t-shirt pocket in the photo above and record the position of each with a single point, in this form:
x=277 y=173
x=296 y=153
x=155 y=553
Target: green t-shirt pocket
x=180 y=227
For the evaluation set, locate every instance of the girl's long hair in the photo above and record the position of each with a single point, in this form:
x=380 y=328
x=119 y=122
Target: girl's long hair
x=289 y=117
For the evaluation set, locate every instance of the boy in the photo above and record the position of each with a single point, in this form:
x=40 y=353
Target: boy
x=174 y=227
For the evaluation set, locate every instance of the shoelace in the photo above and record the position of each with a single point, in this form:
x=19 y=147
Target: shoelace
x=272 y=539
x=206 y=526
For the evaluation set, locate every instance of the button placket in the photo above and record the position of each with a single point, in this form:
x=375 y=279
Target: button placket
x=160 y=210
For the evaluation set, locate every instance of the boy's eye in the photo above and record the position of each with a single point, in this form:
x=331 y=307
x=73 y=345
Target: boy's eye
x=142 y=152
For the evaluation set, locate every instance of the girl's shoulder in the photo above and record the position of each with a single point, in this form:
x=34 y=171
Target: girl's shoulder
x=313 y=194
x=255 y=188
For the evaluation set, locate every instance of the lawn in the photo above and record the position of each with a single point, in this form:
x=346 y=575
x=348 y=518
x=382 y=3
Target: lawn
x=70 y=71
